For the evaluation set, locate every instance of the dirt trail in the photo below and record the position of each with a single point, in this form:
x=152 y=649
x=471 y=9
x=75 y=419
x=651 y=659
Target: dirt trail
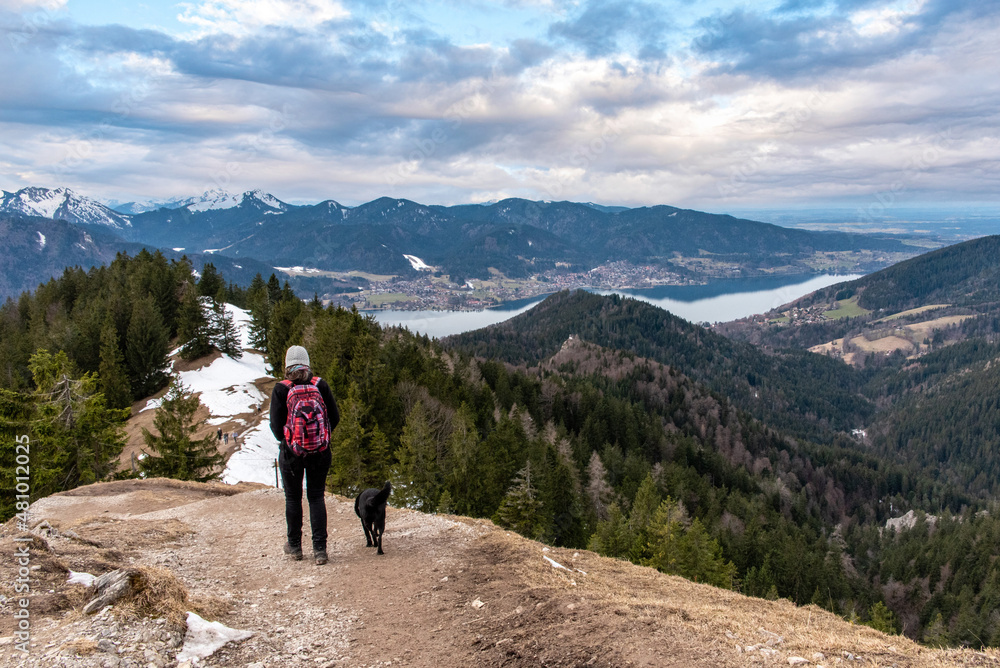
x=448 y=592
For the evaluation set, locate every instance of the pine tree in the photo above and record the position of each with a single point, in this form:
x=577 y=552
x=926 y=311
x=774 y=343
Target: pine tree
x=462 y=447
x=146 y=348
x=445 y=504
x=664 y=534
x=521 y=510
x=259 y=304
x=699 y=558
x=568 y=526
x=76 y=438
x=613 y=536
x=114 y=382
x=418 y=459
x=647 y=500
x=882 y=619
x=227 y=336
x=936 y=633
x=174 y=452
x=211 y=281
x=359 y=455
x=193 y=328
x=15 y=424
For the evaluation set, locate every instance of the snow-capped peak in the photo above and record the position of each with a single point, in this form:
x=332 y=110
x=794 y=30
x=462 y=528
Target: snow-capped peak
x=213 y=200
x=62 y=204
x=260 y=197
x=217 y=200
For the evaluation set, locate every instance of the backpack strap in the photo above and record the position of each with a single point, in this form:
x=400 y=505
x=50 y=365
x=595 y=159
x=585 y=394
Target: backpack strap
x=286 y=383
x=315 y=380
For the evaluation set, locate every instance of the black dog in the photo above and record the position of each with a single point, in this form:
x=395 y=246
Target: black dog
x=370 y=507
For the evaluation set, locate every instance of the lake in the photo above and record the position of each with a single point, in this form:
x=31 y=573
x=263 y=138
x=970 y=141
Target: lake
x=719 y=301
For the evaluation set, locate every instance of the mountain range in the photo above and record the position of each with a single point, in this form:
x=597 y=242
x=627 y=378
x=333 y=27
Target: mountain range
x=516 y=237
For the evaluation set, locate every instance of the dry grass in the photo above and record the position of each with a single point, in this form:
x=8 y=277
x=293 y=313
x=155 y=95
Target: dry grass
x=922 y=329
x=912 y=311
x=155 y=593
x=81 y=646
x=886 y=344
x=706 y=621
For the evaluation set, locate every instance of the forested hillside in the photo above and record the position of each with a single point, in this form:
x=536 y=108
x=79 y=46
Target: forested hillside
x=794 y=390
x=620 y=428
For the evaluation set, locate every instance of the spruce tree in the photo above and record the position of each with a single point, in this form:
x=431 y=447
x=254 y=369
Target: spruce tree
x=521 y=510
x=699 y=558
x=613 y=536
x=647 y=500
x=146 y=348
x=76 y=439
x=664 y=535
x=462 y=447
x=112 y=372
x=15 y=415
x=194 y=330
x=227 y=335
x=259 y=305
x=418 y=459
x=211 y=281
x=359 y=455
x=273 y=289
x=174 y=452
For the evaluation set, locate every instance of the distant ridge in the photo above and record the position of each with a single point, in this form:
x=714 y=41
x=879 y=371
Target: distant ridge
x=803 y=393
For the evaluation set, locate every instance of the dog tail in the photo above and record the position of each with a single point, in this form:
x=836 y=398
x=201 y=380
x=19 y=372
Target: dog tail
x=357 y=506
x=383 y=494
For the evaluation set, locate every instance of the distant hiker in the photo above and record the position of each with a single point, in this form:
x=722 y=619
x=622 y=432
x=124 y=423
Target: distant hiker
x=220 y=433
x=303 y=415
x=225 y=438
x=234 y=437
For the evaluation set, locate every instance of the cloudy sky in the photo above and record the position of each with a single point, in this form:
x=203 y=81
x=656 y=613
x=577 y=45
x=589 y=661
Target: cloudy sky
x=711 y=105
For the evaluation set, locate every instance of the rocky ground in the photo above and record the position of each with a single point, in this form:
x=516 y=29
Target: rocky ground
x=448 y=592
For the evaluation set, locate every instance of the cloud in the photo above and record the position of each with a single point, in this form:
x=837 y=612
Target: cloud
x=606 y=26
x=29 y=5
x=245 y=17
x=857 y=34
x=816 y=103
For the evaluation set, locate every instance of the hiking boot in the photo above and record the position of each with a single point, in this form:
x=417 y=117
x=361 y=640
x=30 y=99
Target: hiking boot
x=294 y=551
x=320 y=557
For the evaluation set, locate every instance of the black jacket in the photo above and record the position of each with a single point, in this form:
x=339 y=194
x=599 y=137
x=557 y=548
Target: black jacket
x=279 y=407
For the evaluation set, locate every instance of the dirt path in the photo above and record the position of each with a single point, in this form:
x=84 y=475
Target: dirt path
x=448 y=592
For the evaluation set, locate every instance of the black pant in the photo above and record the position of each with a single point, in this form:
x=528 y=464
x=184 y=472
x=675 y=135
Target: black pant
x=314 y=468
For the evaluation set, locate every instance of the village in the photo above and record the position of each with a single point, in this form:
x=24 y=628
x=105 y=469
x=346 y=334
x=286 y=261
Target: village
x=433 y=291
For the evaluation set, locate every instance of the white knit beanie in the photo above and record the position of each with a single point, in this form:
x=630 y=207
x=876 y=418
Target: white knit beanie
x=296 y=355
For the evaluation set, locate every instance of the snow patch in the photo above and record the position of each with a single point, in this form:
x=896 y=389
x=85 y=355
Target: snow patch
x=85 y=579
x=178 y=250
x=151 y=405
x=41 y=239
x=417 y=263
x=298 y=270
x=555 y=564
x=204 y=638
x=254 y=461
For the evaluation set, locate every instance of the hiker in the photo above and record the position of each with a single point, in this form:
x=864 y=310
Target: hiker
x=234 y=437
x=303 y=415
x=225 y=438
x=220 y=433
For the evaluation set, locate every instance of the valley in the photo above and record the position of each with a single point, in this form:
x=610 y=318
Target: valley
x=431 y=290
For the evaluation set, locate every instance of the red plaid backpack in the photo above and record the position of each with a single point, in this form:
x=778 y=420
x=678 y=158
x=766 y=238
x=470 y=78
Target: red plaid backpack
x=307 y=429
